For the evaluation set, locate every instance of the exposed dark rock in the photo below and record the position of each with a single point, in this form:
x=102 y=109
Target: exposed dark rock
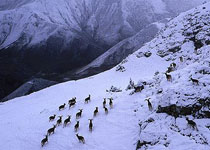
x=174 y=49
x=207 y=42
x=162 y=53
x=197 y=110
x=197 y=43
x=120 y=68
x=147 y=54
x=159 y=91
x=144 y=54
x=150 y=120
x=114 y=89
x=143 y=143
x=208 y=126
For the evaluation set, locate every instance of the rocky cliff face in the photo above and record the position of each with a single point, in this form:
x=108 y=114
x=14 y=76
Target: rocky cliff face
x=179 y=100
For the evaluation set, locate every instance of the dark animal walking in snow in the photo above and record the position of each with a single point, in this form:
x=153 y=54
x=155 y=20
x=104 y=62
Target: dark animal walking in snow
x=170 y=69
x=173 y=65
x=44 y=141
x=76 y=127
x=51 y=130
x=111 y=102
x=71 y=104
x=106 y=110
x=138 y=88
x=149 y=103
x=51 y=118
x=181 y=59
x=81 y=138
x=59 y=121
x=87 y=99
x=67 y=121
x=168 y=77
x=191 y=123
x=91 y=125
x=104 y=102
x=195 y=81
x=62 y=106
x=79 y=114
x=95 y=111
x=73 y=100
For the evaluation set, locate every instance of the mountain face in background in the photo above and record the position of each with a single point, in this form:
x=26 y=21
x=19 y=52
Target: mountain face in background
x=117 y=53
x=12 y=4
x=47 y=38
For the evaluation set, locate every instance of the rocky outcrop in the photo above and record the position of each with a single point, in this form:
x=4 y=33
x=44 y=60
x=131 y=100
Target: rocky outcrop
x=198 y=110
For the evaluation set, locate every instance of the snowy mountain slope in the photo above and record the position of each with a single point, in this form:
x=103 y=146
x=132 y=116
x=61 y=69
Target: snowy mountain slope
x=187 y=37
x=179 y=99
x=11 y=4
x=84 y=16
x=130 y=119
x=46 y=102
x=57 y=36
x=121 y=50
x=118 y=52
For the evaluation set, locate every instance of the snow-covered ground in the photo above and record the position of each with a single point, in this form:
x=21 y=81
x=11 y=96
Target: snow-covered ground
x=27 y=117
x=24 y=120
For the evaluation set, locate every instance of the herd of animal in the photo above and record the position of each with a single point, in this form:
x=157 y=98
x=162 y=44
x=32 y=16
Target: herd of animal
x=73 y=102
x=67 y=121
x=172 y=67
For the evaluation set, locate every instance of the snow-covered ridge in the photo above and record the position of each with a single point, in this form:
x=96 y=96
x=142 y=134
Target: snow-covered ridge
x=12 y=4
x=190 y=28
x=118 y=52
x=37 y=20
x=130 y=120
